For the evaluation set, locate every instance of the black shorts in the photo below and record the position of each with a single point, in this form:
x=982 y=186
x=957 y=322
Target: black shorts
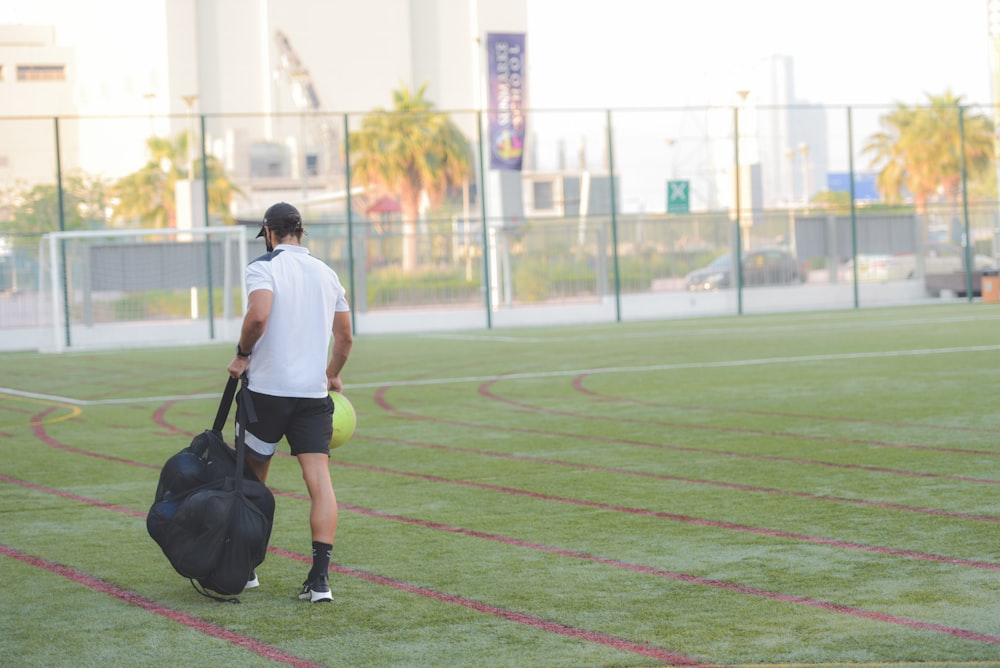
x=307 y=425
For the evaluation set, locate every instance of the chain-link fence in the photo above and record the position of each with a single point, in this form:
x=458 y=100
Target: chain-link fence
x=615 y=215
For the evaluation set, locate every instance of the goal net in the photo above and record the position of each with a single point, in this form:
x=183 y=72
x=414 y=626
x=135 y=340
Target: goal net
x=148 y=287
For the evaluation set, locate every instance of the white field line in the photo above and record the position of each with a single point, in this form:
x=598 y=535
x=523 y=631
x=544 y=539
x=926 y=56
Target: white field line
x=100 y=402
x=537 y=374
x=676 y=329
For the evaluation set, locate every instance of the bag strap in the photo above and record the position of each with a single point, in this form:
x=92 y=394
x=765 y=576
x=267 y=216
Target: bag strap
x=244 y=413
x=227 y=401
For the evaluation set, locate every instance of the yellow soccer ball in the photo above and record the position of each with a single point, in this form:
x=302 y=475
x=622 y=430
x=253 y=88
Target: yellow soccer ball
x=344 y=420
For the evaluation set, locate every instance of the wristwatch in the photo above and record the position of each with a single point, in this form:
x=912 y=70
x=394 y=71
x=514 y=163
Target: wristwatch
x=240 y=353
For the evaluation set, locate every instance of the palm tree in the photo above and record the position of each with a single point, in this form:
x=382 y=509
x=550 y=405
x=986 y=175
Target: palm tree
x=409 y=151
x=148 y=194
x=920 y=149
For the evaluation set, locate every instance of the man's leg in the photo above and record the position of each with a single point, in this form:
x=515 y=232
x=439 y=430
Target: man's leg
x=322 y=521
x=259 y=469
x=323 y=509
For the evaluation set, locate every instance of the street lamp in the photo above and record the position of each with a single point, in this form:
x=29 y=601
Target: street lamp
x=149 y=97
x=804 y=151
x=744 y=186
x=790 y=154
x=189 y=101
x=189 y=212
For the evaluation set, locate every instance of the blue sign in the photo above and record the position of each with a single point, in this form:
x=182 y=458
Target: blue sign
x=864 y=185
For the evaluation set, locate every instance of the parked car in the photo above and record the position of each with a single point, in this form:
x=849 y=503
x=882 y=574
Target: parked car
x=768 y=266
x=940 y=259
x=948 y=272
x=872 y=268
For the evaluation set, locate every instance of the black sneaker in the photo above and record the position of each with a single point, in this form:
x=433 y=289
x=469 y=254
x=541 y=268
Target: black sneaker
x=317 y=591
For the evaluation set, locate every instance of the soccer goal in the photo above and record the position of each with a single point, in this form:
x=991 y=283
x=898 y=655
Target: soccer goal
x=147 y=287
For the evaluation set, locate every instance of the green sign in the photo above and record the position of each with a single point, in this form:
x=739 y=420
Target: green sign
x=678 y=197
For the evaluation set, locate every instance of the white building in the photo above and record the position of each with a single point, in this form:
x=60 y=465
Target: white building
x=227 y=60
x=274 y=80
x=35 y=75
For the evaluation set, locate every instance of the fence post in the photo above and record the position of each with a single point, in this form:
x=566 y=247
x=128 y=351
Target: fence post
x=62 y=242
x=614 y=222
x=350 y=223
x=482 y=213
x=738 y=250
x=208 y=237
x=969 y=264
x=854 y=213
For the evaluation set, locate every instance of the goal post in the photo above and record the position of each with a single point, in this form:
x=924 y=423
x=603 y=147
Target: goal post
x=143 y=287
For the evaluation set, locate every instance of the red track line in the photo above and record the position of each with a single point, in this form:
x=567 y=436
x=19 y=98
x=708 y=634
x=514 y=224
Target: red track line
x=551 y=626
x=381 y=401
x=693 y=579
x=578 y=386
x=256 y=646
x=621 y=644
x=38 y=429
x=521 y=618
x=485 y=391
x=673 y=517
x=644 y=649
x=624 y=509
x=160 y=418
x=803 y=600
x=693 y=481
x=71 y=496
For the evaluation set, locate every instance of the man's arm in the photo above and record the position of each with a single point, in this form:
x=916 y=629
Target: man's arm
x=343 y=340
x=254 y=323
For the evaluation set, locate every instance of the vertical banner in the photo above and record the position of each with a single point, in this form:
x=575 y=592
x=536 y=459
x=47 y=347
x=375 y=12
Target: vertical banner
x=506 y=98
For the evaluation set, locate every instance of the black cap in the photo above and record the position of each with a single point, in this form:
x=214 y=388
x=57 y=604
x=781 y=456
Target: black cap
x=281 y=215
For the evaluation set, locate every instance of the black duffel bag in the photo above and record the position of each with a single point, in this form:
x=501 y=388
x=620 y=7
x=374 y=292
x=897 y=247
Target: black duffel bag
x=212 y=524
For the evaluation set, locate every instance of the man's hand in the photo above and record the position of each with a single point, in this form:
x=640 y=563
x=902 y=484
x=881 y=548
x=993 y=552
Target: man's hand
x=238 y=366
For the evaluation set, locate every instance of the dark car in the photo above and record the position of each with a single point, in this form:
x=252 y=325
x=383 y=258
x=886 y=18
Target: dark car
x=769 y=266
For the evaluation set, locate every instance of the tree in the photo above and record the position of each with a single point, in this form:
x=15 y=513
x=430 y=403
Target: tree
x=833 y=201
x=919 y=149
x=35 y=211
x=410 y=151
x=149 y=193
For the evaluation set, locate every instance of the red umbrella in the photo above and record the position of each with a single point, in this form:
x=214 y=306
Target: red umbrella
x=384 y=204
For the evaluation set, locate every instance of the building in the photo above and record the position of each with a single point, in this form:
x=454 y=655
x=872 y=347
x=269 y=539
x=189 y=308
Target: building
x=273 y=81
x=35 y=74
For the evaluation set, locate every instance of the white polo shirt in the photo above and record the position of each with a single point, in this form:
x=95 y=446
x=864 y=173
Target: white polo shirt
x=290 y=359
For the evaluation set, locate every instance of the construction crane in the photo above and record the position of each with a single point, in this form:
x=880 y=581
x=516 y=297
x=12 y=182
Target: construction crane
x=321 y=138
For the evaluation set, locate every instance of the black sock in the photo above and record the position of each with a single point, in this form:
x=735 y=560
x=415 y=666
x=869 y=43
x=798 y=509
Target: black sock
x=321 y=559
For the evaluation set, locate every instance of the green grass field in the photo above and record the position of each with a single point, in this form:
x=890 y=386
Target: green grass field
x=817 y=489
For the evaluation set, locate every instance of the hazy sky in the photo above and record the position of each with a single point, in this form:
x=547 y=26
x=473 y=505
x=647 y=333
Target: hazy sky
x=678 y=52
x=623 y=53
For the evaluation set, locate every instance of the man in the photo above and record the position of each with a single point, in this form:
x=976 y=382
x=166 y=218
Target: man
x=295 y=304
